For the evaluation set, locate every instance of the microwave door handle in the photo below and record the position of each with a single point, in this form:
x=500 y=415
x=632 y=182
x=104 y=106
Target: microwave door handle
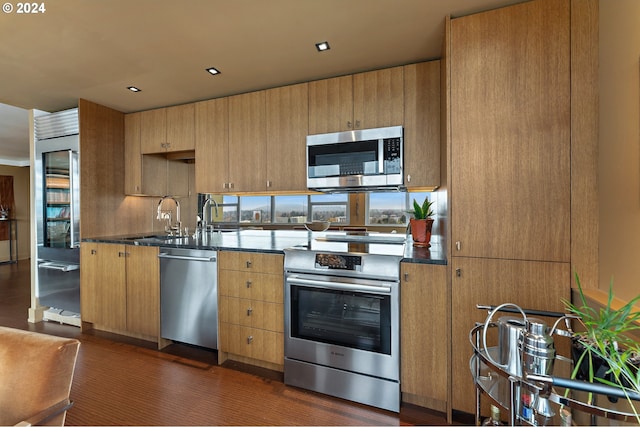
x=339 y=286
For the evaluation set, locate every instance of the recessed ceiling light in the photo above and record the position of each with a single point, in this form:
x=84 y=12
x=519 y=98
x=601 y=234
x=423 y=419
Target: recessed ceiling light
x=134 y=89
x=213 y=71
x=322 y=46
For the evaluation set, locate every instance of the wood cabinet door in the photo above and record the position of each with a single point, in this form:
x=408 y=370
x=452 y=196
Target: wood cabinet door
x=494 y=282
x=510 y=132
x=331 y=105
x=153 y=131
x=103 y=285
x=247 y=142
x=89 y=282
x=181 y=127
x=378 y=98
x=424 y=334
x=422 y=124
x=132 y=156
x=287 y=129
x=143 y=290
x=212 y=145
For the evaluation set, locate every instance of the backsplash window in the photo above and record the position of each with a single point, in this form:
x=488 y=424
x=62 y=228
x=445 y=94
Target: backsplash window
x=392 y=208
x=289 y=209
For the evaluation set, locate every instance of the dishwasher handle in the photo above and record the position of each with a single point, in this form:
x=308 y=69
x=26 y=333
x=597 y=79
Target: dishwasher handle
x=186 y=257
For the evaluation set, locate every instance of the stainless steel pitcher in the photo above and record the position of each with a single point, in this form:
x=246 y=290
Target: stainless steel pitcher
x=510 y=332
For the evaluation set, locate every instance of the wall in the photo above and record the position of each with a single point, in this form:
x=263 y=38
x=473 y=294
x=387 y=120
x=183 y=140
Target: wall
x=619 y=147
x=21 y=198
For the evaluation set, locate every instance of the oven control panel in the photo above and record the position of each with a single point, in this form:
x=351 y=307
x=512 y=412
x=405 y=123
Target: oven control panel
x=338 y=262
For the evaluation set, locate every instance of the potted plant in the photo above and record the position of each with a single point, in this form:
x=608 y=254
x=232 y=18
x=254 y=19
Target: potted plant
x=603 y=351
x=421 y=223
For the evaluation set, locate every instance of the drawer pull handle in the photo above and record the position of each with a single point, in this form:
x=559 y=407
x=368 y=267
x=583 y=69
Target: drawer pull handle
x=248 y=284
x=248 y=264
x=249 y=339
x=249 y=311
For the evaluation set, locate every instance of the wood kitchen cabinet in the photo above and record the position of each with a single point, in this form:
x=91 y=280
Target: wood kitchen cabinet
x=212 y=146
x=287 y=129
x=251 y=308
x=170 y=129
x=247 y=142
x=511 y=170
x=422 y=125
x=530 y=284
x=150 y=174
x=120 y=289
x=132 y=154
x=424 y=314
x=511 y=132
x=360 y=101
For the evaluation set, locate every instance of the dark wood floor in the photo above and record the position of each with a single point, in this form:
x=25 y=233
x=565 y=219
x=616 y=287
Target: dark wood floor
x=120 y=381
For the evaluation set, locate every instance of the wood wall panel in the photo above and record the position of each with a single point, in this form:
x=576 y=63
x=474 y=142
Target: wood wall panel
x=584 y=141
x=101 y=169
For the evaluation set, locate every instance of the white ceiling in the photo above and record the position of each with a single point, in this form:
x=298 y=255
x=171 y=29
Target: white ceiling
x=95 y=49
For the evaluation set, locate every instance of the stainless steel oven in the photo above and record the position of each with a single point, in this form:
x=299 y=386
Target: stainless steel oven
x=342 y=323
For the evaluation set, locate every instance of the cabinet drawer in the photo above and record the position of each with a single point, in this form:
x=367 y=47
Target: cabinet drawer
x=251 y=285
x=251 y=261
x=254 y=343
x=251 y=313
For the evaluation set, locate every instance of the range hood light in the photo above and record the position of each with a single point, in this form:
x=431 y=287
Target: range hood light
x=322 y=46
x=134 y=89
x=213 y=71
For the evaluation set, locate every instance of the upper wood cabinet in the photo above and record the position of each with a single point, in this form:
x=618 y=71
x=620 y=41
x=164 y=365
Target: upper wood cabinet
x=150 y=174
x=511 y=132
x=378 y=98
x=365 y=100
x=331 y=105
x=247 y=142
x=212 y=146
x=287 y=129
x=132 y=156
x=168 y=129
x=422 y=124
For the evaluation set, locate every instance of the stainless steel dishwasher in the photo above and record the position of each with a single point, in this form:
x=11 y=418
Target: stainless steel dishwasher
x=189 y=296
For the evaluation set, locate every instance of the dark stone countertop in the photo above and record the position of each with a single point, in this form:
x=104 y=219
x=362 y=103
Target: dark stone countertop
x=267 y=241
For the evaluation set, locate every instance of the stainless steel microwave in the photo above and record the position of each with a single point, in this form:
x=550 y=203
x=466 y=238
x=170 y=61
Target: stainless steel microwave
x=358 y=160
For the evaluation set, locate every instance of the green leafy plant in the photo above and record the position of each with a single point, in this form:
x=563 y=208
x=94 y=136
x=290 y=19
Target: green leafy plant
x=605 y=340
x=422 y=211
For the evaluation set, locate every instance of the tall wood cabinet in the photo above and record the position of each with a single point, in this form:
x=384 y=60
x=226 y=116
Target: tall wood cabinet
x=365 y=100
x=120 y=288
x=251 y=308
x=510 y=171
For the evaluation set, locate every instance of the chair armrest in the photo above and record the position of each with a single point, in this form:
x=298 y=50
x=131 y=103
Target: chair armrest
x=43 y=416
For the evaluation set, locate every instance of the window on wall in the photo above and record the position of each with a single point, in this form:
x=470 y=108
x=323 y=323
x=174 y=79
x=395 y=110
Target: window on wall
x=290 y=209
x=391 y=208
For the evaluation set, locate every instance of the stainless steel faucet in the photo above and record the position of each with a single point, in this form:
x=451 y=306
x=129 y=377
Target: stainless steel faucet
x=206 y=211
x=170 y=228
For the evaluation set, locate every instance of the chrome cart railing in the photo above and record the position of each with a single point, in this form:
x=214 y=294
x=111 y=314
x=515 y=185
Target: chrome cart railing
x=553 y=397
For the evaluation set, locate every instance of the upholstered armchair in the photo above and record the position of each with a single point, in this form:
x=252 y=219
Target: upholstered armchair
x=36 y=371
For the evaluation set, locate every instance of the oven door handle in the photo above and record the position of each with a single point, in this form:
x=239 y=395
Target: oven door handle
x=339 y=286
